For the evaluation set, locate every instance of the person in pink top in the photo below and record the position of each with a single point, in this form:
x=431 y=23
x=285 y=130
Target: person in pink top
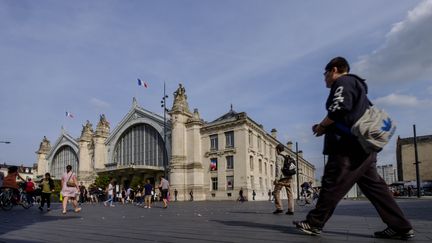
x=70 y=189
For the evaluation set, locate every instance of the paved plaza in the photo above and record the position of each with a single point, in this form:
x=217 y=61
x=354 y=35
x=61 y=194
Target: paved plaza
x=224 y=221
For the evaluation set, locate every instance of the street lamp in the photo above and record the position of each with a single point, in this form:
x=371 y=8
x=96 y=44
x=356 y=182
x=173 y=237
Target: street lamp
x=163 y=105
x=6 y=142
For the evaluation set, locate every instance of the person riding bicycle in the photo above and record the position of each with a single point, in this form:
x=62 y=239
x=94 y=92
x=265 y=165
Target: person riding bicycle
x=10 y=182
x=307 y=189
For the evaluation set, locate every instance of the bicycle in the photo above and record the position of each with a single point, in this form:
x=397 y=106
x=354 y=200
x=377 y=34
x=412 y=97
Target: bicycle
x=7 y=200
x=307 y=198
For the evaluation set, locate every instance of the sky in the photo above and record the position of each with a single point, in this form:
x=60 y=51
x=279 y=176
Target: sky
x=266 y=58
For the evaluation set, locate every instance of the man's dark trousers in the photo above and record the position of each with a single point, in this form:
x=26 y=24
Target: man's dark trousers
x=341 y=173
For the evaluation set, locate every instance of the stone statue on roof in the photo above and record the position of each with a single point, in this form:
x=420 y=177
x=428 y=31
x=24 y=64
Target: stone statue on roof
x=44 y=146
x=180 y=100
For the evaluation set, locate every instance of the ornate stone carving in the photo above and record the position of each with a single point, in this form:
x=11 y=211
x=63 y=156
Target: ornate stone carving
x=44 y=146
x=87 y=132
x=180 y=100
x=103 y=127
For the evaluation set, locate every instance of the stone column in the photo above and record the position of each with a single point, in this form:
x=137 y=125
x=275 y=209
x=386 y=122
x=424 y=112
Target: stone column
x=85 y=147
x=42 y=163
x=100 y=150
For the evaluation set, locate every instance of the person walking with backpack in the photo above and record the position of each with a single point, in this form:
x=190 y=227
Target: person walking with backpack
x=283 y=180
x=348 y=162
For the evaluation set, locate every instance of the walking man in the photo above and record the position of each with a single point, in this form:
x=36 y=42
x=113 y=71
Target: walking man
x=253 y=195
x=164 y=187
x=110 y=192
x=282 y=181
x=347 y=162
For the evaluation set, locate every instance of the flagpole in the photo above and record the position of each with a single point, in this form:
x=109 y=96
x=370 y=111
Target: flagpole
x=165 y=130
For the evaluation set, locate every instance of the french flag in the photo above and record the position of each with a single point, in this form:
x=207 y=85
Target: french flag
x=68 y=114
x=141 y=83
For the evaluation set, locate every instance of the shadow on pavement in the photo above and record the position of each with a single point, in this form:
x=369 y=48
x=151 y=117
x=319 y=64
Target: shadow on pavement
x=281 y=228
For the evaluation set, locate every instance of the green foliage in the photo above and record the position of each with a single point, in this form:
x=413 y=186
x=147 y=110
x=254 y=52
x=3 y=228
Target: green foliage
x=136 y=180
x=102 y=181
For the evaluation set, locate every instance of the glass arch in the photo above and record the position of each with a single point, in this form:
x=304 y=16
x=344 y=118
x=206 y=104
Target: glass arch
x=64 y=156
x=140 y=144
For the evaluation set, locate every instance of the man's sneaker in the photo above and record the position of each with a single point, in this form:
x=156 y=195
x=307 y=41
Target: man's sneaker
x=305 y=227
x=289 y=213
x=391 y=234
x=278 y=211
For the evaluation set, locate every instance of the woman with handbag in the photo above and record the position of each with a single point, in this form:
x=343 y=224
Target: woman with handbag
x=70 y=189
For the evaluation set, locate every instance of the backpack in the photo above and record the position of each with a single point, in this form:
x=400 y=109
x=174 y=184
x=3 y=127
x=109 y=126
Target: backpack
x=374 y=129
x=289 y=167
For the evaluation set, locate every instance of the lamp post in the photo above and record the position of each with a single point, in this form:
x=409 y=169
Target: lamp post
x=297 y=165
x=163 y=105
x=416 y=162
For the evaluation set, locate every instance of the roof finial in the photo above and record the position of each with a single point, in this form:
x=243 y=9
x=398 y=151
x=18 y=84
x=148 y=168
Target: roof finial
x=231 y=107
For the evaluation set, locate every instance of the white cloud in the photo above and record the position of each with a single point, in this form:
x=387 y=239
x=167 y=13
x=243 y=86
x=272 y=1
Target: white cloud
x=99 y=103
x=401 y=100
x=406 y=55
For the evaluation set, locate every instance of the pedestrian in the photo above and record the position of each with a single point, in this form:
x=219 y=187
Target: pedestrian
x=253 y=195
x=347 y=162
x=175 y=194
x=281 y=181
x=241 y=196
x=164 y=188
x=148 y=189
x=1 y=178
x=191 y=195
x=47 y=187
x=83 y=194
x=70 y=189
x=110 y=191
x=139 y=196
x=270 y=194
x=30 y=189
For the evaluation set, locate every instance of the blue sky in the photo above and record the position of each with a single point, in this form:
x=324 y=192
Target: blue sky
x=264 y=57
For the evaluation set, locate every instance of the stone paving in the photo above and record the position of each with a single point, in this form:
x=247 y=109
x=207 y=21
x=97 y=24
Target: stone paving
x=224 y=221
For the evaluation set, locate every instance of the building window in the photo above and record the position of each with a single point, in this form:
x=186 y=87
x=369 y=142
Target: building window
x=214 y=183
x=271 y=170
x=260 y=165
x=213 y=164
x=251 y=163
x=214 y=142
x=261 y=182
x=230 y=162
x=229 y=138
x=250 y=139
x=252 y=182
x=265 y=168
x=230 y=182
x=259 y=143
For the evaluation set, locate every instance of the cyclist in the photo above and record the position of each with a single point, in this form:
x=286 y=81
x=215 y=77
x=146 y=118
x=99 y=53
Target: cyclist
x=307 y=188
x=10 y=182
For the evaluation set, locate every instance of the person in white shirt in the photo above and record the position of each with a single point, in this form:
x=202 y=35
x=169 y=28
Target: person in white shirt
x=110 y=191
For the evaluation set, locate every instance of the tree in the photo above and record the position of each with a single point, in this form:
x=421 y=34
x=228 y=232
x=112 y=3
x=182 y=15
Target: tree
x=102 y=181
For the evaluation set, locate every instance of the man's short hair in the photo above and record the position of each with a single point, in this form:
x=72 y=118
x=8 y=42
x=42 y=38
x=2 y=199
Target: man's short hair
x=280 y=147
x=12 y=169
x=339 y=62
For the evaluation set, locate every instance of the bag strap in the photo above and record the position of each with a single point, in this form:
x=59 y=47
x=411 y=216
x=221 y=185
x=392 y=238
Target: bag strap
x=69 y=177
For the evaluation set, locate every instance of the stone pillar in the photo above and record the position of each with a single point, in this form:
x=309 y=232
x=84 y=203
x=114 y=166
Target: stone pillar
x=42 y=163
x=100 y=151
x=274 y=133
x=85 y=153
x=194 y=166
x=178 y=165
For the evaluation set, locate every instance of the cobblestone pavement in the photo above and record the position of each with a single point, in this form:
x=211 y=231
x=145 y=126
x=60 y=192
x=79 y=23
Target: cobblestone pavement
x=223 y=221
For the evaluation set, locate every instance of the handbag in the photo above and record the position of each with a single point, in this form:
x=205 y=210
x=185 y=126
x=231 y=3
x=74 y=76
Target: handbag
x=70 y=183
x=374 y=129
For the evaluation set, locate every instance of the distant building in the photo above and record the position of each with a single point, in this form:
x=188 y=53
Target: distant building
x=213 y=159
x=24 y=171
x=388 y=173
x=405 y=157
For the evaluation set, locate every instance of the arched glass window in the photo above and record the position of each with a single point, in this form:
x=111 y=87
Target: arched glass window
x=140 y=145
x=63 y=157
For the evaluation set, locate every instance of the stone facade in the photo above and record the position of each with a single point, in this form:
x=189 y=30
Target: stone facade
x=242 y=151
x=406 y=158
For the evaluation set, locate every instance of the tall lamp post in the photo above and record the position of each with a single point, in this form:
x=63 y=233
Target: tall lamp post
x=297 y=165
x=416 y=162
x=163 y=105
